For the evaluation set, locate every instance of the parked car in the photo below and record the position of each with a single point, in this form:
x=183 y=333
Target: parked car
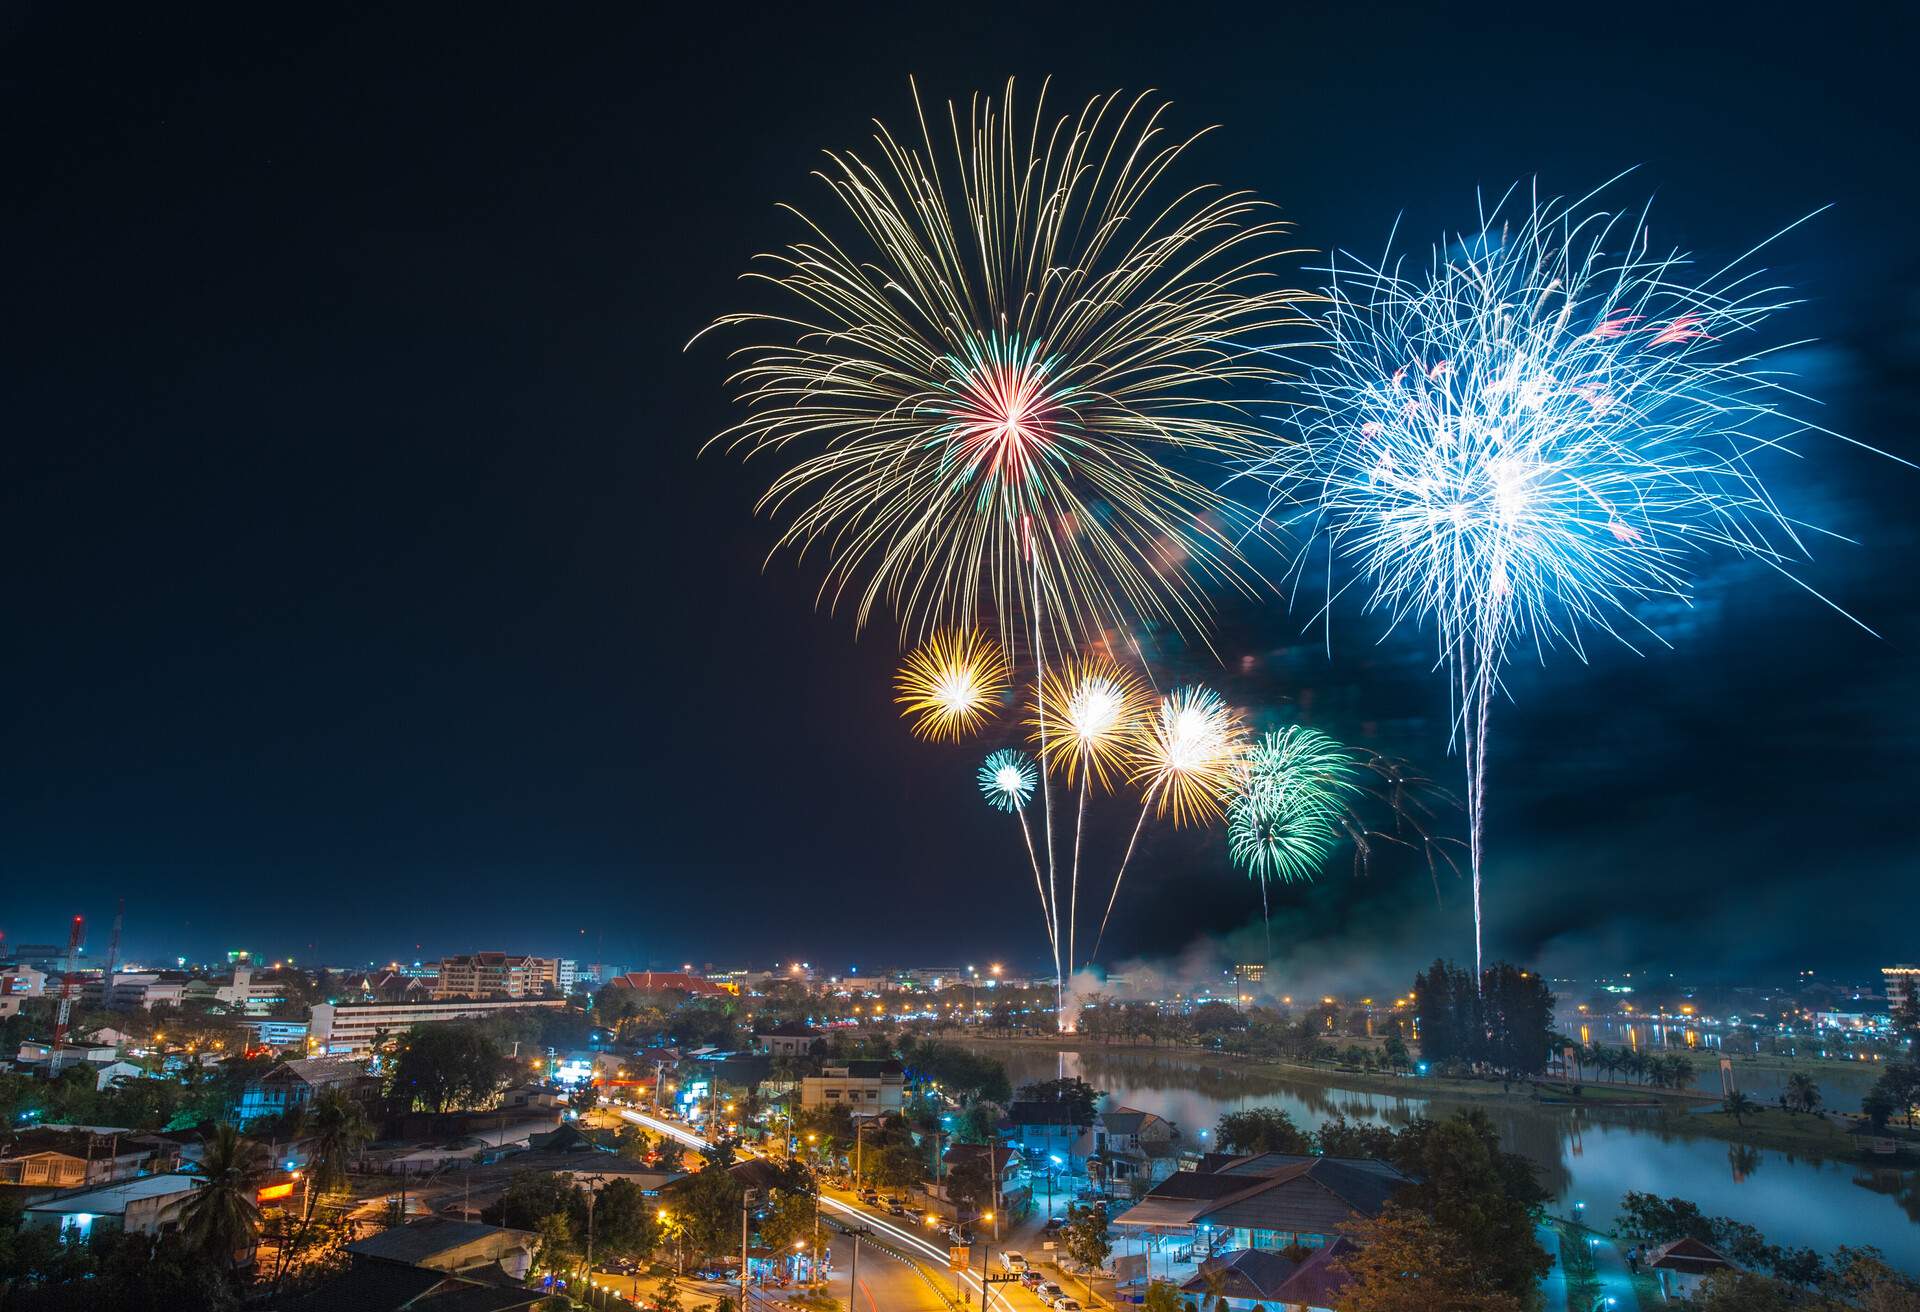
x=869 y=1197
x=1031 y=1279
x=1012 y=1262
x=1066 y=1304
x=899 y=1210
x=1049 y=1291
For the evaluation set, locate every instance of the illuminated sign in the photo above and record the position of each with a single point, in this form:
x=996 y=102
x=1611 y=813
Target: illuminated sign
x=270 y=1192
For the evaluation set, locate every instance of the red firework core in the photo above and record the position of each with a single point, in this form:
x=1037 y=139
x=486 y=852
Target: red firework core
x=1004 y=418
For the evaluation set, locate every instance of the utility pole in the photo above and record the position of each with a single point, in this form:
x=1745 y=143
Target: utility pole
x=746 y=1197
x=66 y=995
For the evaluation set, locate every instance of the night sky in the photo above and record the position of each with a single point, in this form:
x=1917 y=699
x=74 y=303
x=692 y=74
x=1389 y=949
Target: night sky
x=363 y=589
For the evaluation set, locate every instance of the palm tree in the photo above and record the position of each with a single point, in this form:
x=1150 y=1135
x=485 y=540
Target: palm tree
x=221 y=1219
x=1802 y=1093
x=1739 y=1106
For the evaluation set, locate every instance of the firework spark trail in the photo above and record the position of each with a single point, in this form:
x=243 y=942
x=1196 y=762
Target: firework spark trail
x=1186 y=754
x=1296 y=788
x=1038 y=353
x=1547 y=426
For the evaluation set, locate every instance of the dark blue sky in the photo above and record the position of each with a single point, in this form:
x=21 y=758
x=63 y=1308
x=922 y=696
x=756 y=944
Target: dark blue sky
x=363 y=588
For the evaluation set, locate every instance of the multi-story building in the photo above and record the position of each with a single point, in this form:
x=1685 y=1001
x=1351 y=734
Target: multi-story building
x=149 y=988
x=497 y=974
x=348 y=1029
x=246 y=994
x=865 y=1088
x=295 y=1084
x=566 y=975
x=1902 y=981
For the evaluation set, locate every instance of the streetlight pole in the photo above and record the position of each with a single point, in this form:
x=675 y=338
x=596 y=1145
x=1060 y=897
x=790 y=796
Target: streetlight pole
x=986 y=1254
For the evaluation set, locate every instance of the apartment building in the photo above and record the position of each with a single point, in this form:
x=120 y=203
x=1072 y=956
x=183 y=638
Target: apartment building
x=498 y=974
x=347 y=1029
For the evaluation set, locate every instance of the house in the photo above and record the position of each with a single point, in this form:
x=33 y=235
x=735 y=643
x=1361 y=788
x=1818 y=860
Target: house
x=1005 y=1167
x=790 y=1039
x=454 y=1247
x=1132 y=1149
x=1683 y=1266
x=296 y=1083
x=395 y=1287
x=1269 y=1201
x=866 y=1088
x=143 y=1206
x=1054 y=1137
x=114 y=1071
x=69 y=1156
x=1252 y=1278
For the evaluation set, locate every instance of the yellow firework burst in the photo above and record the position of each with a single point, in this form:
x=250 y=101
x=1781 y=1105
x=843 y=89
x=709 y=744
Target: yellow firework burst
x=1010 y=387
x=1087 y=718
x=949 y=685
x=1188 y=755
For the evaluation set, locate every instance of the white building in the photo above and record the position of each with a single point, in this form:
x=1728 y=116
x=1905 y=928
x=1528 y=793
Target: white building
x=347 y=1029
x=244 y=993
x=136 y=1207
x=494 y=974
x=1901 y=983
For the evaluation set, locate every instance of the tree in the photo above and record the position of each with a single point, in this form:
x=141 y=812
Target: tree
x=625 y=1221
x=556 y=1250
x=1086 y=1238
x=788 y=1219
x=1488 y=1199
x=1340 y=1137
x=1802 y=1094
x=900 y=1166
x=1261 y=1130
x=530 y=1197
x=221 y=1218
x=1408 y=1262
x=1739 y=1106
x=1162 y=1296
x=448 y=1065
x=707 y=1210
x=1898 y=1088
x=1073 y=1091
x=1906 y=1016
x=970 y=1181
x=1448 y=1009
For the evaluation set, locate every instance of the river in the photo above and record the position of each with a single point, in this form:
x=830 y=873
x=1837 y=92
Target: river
x=1582 y=1158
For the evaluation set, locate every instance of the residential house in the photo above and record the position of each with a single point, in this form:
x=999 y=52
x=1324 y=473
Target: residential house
x=69 y=1156
x=790 y=1039
x=1269 y=1201
x=866 y=1088
x=1133 y=1150
x=1056 y=1140
x=1683 y=1266
x=1251 y=1278
x=454 y=1247
x=114 y=1071
x=294 y=1084
x=143 y=1206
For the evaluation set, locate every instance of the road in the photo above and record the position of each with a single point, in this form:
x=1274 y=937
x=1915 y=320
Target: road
x=900 y=1270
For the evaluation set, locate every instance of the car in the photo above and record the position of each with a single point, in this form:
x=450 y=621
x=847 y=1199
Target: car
x=868 y=1196
x=897 y=1200
x=1012 y=1262
x=1066 y=1304
x=1032 y=1279
x=899 y=1210
x=1049 y=1291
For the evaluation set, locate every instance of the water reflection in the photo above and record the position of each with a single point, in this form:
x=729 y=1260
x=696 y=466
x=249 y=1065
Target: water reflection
x=1581 y=1155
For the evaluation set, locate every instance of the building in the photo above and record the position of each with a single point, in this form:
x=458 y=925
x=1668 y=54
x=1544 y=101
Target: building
x=348 y=1029
x=23 y=982
x=791 y=1039
x=149 y=988
x=1054 y=1137
x=455 y=1247
x=1683 y=1266
x=1251 y=1277
x=70 y=1156
x=295 y=1084
x=143 y=1206
x=867 y=1088
x=497 y=974
x=1250 y=972
x=1902 y=981
x=277 y=1034
x=250 y=994
x=1268 y=1201
x=1133 y=1149
x=670 y=981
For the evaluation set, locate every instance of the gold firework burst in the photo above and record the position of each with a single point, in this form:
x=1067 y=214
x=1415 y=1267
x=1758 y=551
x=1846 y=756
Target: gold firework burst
x=1087 y=717
x=949 y=684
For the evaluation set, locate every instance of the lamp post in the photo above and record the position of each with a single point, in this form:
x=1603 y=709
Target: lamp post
x=593 y=1196
x=986 y=1252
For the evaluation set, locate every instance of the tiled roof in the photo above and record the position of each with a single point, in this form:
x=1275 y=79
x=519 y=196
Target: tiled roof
x=1044 y=1113
x=419 y=1241
x=1689 y=1257
x=1254 y=1274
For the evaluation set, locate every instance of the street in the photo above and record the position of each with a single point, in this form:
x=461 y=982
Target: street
x=899 y=1269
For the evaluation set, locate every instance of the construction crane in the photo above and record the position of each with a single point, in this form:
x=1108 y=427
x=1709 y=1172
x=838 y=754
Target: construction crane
x=113 y=954
x=66 y=995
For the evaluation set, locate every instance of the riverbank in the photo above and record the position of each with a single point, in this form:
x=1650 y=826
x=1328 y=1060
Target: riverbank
x=1680 y=1112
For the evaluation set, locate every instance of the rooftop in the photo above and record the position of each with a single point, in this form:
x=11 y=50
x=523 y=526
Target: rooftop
x=422 y=1240
x=112 y=1199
